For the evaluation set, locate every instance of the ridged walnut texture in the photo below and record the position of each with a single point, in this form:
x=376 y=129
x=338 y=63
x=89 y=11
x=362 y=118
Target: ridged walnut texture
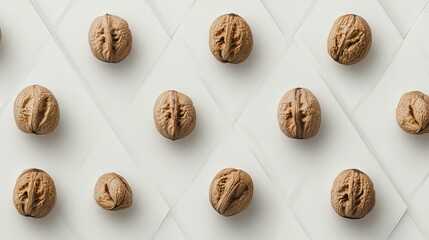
x=412 y=112
x=350 y=39
x=174 y=115
x=110 y=38
x=112 y=192
x=36 y=110
x=352 y=194
x=299 y=114
x=34 y=194
x=231 y=191
x=230 y=39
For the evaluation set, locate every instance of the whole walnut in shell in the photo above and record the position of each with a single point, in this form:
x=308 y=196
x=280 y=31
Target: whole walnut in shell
x=174 y=115
x=299 y=114
x=231 y=191
x=36 y=110
x=412 y=112
x=352 y=194
x=112 y=192
x=350 y=39
x=230 y=39
x=110 y=38
x=34 y=194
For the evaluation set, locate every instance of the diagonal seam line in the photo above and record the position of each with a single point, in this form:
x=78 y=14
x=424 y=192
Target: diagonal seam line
x=417 y=20
x=361 y=134
x=79 y=75
x=183 y=19
x=160 y=224
x=157 y=13
x=415 y=223
x=72 y=231
x=374 y=85
x=81 y=78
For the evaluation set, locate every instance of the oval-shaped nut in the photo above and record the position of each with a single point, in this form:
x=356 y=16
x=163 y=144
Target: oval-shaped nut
x=34 y=194
x=230 y=39
x=350 y=39
x=110 y=38
x=231 y=191
x=174 y=115
x=112 y=192
x=299 y=114
x=412 y=112
x=352 y=194
x=36 y=110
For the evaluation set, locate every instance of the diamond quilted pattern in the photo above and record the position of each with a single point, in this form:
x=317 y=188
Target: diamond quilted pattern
x=231 y=85
x=15 y=62
x=349 y=83
x=261 y=220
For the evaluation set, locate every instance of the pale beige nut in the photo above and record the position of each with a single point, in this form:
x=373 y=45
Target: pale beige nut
x=299 y=114
x=34 y=194
x=230 y=39
x=350 y=39
x=36 y=110
x=352 y=194
x=231 y=191
x=110 y=38
x=112 y=192
x=174 y=115
x=412 y=112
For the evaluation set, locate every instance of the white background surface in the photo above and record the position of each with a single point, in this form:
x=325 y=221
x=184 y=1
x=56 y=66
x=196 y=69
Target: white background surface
x=106 y=119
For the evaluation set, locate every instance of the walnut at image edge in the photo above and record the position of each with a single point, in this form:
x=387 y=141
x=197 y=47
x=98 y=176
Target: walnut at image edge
x=298 y=114
x=231 y=191
x=112 y=192
x=36 y=110
x=412 y=112
x=174 y=115
x=230 y=39
x=352 y=194
x=350 y=39
x=34 y=194
x=110 y=38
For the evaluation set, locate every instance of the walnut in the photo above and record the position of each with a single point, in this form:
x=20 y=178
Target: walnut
x=350 y=39
x=352 y=194
x=299 y=114
x=34 y=194
x=230 y=39
x=231 y=191
x=110 y=38
x=36 y=110
x=412 y=112
x=112 y=192
x=174 y=115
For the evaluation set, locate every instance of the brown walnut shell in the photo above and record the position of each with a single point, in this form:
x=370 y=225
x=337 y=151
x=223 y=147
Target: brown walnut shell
x=110 y=38
x=231 y=191
x=112 y=192
x=174 y=115
x=412 y=112
x=36 y=110
x=299 y=114
x=230 y=39
x=350 y=39
x=34 y=194
x=352 y=194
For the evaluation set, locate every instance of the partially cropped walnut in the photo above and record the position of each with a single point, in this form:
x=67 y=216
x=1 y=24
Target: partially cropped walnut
x=110 y=38
x=350 y=39
x=230 y=40
x=34 y=194
x=352 y=194
x=231 y=191
x=412 y=112
x=174 y=115
x=112 y=192
x=299 y=114
x=36 y=110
